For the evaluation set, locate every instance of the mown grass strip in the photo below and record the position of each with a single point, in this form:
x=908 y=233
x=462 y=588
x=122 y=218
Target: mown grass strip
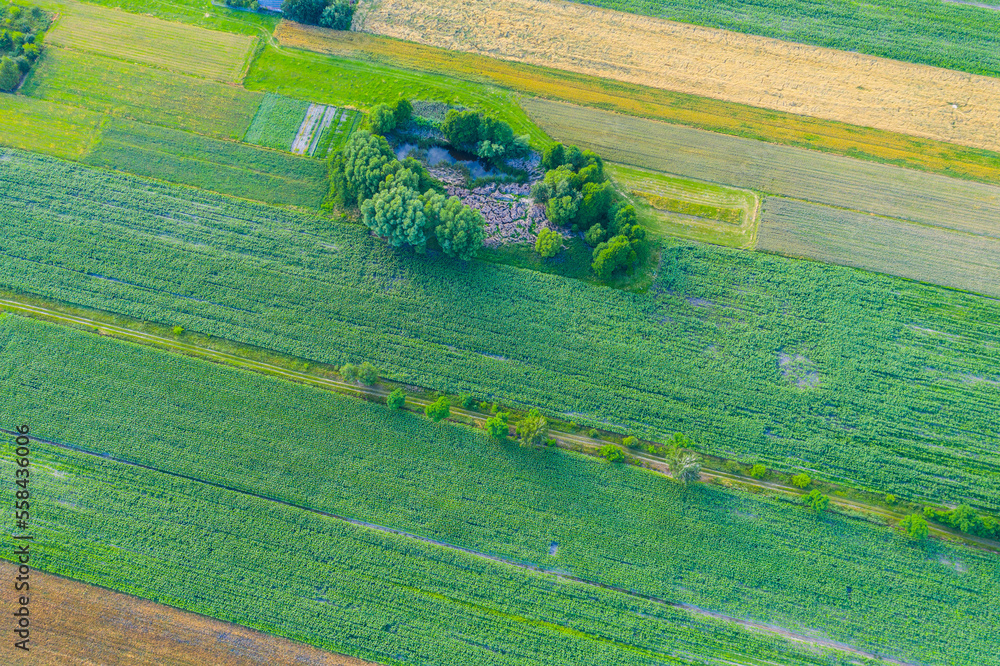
x=47 y=127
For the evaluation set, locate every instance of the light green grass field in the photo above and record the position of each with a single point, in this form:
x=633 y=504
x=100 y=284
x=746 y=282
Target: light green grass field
x=202 y=13
x=921 y=252
x=47 y=127
x=757 y=558
x=277 y=122
x=341 y=82
x=186 y=49
x=689 y=209
x=782 y=170
x=145 y=94
x=221 y=166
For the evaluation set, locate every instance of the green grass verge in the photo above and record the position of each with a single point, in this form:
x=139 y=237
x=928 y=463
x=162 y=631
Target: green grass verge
x=689 y=209
x=145 y=94
x=221 y=166
x=47 y=127
x=202 y=13
x=342 y=82
x=944 y=34
x=614 y=525
x=698 y=353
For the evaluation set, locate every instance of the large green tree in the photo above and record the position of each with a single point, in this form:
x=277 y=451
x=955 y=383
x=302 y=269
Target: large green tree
x=10 y=74
x=396 y=214
x=460 y=230
x=613 y=256
x=364 y=163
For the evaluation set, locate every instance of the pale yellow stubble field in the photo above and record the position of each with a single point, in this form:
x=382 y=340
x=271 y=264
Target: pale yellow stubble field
x=863 y=90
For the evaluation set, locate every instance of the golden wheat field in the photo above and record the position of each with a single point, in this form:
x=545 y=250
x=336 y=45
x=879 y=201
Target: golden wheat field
x=863 y=90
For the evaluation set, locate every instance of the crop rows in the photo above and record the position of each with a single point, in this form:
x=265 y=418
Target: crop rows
x=277 y=122
x=960 y=35
x=847 y=87
x=142 y=39
x=145 y=94
x=364 y=593
x=697 y=353
x=792 y=172
x=882 y=244
x=615 y=525
x=221 y=166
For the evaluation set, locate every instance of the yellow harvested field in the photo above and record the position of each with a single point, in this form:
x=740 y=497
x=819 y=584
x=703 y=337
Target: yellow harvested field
x=182 y=48
x=81 y=625
x=863 y=90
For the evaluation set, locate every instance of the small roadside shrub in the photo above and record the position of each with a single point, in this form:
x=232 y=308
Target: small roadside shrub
x=367 y=374
x=801 y=480
x=758 y=471
x=396 y=399
x=890 y=499
x=551 y=442
x=611 y=453
x=498 y=427
x=915 y=527
x=817 y=501
x=178 y=330
x=349 y=372
x=592 y=433
x=631 y=442
x=468 y=401
x=438 y=410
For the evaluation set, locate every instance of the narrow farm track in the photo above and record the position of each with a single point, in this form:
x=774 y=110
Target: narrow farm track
x=564 y=439
x=562 y=575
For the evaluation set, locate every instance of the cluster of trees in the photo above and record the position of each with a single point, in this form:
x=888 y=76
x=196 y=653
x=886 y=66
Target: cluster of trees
x=384 y=118
x=400 y=202
x=20 y=29
x=965 y=519
x=485 y=136
x=577 y=194
x=365 y=373
x=333 y=14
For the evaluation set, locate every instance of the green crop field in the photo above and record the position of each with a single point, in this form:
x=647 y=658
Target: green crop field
x=189 y=50
x=943 y=34
x=202 y=13
x=698 y=353
x=46 y=127
x=883 y=244
x=362 y=592
x=221 y=166
x=141 y=93
x=690 y=209
x=342 y=82
x=792 y=172
x=615 y=525
x=277 y=122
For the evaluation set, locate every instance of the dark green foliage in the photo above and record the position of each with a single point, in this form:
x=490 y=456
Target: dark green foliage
x=10 y=74
x=396 y=214
x=625 y=217
x=595 y=235
x=382 y=119
x=438 y=410
x=460 y=230
x=548 y=242
x=956 y=36
x=303 y=11
x=614 y=256
x=349 y=372
x=337 y=15
x=595 y=205
x=554 y=157
x=461 y=128
x=801 y=480
x=533 y=429
x=611 y=453
x=362 y=166
x=403 y=112
x=915 y=527
x=396 y=399
x=367 y=374
x=817 y=501
x=498 y=426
